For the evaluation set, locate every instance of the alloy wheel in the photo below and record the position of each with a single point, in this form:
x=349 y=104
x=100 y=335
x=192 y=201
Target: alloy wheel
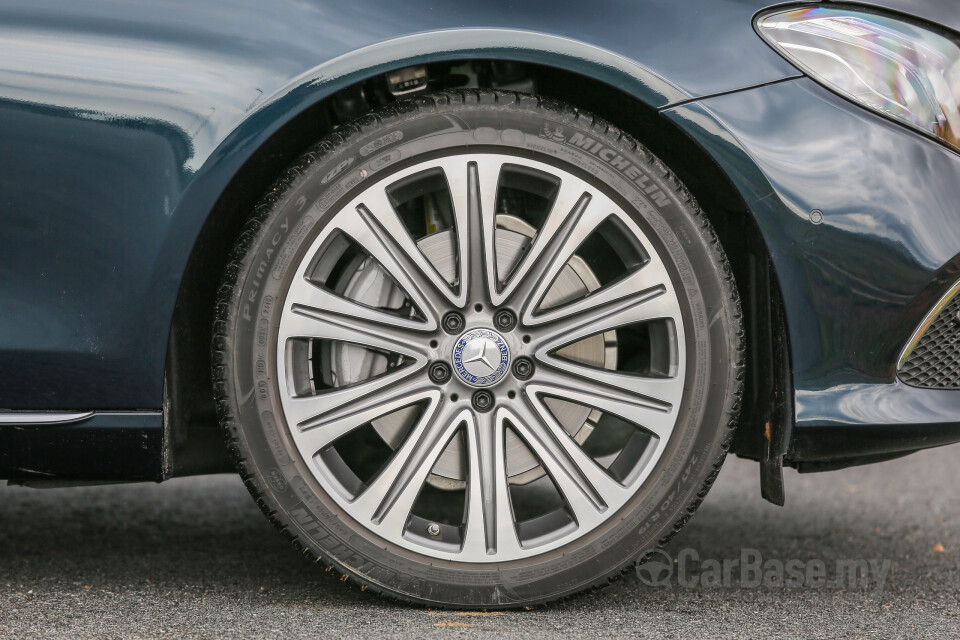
x=481 y=357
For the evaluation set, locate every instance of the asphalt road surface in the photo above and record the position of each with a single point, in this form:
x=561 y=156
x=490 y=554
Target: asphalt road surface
x=194 y=558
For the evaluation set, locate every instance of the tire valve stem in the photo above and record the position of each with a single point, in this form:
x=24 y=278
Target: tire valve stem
x=433 y=529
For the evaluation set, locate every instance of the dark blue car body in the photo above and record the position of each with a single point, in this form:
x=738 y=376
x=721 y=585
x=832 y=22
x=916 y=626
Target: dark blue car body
x=135 y=137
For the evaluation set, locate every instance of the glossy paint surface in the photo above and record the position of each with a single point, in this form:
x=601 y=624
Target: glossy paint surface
x=860 y=277
x=122 y=122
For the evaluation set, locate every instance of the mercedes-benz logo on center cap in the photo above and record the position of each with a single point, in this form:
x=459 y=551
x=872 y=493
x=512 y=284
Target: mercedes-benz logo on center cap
x=481 y=357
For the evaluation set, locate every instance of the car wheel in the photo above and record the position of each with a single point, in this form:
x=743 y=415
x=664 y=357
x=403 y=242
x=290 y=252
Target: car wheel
x=478 y=350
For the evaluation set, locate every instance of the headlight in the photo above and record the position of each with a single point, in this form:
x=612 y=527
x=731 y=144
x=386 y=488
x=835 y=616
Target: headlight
x=898 y=68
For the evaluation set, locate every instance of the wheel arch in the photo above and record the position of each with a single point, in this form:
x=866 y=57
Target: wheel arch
x=256 y=153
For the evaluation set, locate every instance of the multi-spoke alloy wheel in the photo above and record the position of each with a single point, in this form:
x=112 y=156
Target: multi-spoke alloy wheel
x=482 y=354
x=382 y=315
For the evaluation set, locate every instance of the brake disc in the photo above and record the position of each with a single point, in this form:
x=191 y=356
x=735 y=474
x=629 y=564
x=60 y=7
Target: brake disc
x=370 y=285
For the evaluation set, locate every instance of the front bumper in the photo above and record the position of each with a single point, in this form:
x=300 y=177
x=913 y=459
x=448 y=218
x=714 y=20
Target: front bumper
x=861 y=217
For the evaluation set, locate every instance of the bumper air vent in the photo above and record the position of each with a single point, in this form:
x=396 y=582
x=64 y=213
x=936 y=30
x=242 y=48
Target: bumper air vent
x=932 y=357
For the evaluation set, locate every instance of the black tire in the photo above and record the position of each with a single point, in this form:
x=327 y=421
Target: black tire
x=283 y=224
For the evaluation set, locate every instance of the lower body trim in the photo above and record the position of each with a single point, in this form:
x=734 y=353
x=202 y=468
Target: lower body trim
x=86 y=447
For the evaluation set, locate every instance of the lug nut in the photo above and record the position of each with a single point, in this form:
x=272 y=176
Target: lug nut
x=433 y=529
x=439 y=372
x=482 y=401
x=523 y=368
x=453 y=322
x=505 y=320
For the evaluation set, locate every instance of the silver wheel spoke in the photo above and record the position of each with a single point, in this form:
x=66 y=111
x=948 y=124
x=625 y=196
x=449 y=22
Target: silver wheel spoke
x=613 y=306
x=389 y=498
x=637 y=297
x=615 y=392
x=317 y=313
x=586 y=488
x=583 y=318
x=490 y=524
x=307 y=411
x=324 y=427
x=565 y=206
x=655 y=391
x=597 y=390
x=473 y=189
x=575 y=225
x=422 y=273
x=367 y=230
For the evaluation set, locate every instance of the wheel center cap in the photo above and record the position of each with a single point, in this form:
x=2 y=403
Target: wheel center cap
x=481 y=357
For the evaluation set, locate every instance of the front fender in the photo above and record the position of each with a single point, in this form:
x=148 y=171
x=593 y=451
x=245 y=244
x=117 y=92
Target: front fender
x=122 y=123
x=859 y=216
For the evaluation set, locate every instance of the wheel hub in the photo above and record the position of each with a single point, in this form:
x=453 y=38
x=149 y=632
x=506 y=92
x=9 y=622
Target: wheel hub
x=368 y=284
x=481 y=357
